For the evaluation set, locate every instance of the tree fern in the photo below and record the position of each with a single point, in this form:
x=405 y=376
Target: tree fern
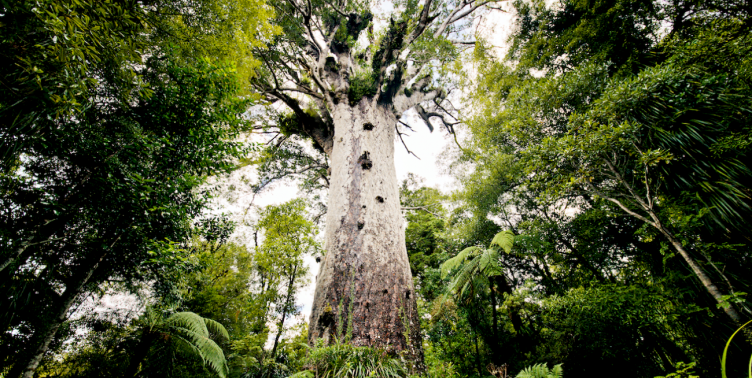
x=189 y=334
x=482 y=262
x=456 y=261
x=192 y=329
x=504 y=240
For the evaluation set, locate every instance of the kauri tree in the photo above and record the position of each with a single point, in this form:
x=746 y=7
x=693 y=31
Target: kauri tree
x=346 y=86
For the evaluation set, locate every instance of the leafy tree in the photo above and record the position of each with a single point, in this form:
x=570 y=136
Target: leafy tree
x=225 y=288
x=425 y=235
x=288 y=237
x=103 y=151
x=249 y=290
x=139 y=192
x=611 y=124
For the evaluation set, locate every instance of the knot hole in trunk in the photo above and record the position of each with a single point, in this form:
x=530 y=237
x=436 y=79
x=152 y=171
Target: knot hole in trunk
x=367 y=126
x=380 y=199
x=365 y=160
x=360 y=225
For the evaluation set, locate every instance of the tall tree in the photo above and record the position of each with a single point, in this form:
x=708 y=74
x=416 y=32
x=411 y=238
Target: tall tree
x=288 y=238
x=346 y=87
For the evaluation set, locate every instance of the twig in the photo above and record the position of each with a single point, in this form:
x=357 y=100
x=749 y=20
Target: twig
x=403 y=143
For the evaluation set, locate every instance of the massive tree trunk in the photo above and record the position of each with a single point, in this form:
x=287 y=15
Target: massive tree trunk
x=347 y=98
x=364 y=290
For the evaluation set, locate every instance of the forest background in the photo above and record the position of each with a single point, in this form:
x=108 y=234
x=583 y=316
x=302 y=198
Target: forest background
x=599 y=221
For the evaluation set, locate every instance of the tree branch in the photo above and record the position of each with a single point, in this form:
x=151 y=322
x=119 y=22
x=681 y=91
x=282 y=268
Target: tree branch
x=403 y=141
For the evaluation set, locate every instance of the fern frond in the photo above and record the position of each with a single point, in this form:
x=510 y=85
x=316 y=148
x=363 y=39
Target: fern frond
x=210 y=353
x=189 y=321
x=489 y=263
x=191 y=332
x=464 y=276
x=216 y=328
x=541 y=371
x=504 y=240
x=455 y=261
x=557 y=371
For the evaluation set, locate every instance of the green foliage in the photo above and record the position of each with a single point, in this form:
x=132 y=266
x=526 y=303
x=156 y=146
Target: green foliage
x=477 y=261
x=682 y=371
x=726 y=349
x=115 y=191
x=585 y=124
x=362 y=84
x=541 y=371
x=562 y=37
x=188 y=333
x=503 y=240
x=342 y=360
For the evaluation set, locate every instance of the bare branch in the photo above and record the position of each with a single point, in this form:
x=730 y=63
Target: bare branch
x=621 y=205
x=403 y=143
x=423 y=208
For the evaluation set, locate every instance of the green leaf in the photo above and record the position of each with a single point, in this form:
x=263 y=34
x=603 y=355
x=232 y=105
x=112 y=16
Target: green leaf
x=504 y=240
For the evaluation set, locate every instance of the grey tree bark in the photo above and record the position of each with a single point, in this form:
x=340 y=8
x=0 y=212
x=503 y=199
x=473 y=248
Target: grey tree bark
x=348 y=101
x=364 y=290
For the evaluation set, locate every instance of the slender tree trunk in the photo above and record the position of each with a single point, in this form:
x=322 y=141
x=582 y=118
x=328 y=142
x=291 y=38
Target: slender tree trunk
x=495 y=318
x=493 y=310
x=41 y=340
x=288 y=297
x=39 y=234
x=700 y=273
x=365 y=284
x=478 y=366
x=514 y=316
x=647 y=206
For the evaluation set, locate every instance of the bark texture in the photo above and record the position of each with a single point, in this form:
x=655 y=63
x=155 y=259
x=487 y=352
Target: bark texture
x=364 y=290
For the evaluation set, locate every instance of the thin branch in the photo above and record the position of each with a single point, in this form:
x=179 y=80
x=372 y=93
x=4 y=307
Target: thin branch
x=403 y=142
x=424 y=208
